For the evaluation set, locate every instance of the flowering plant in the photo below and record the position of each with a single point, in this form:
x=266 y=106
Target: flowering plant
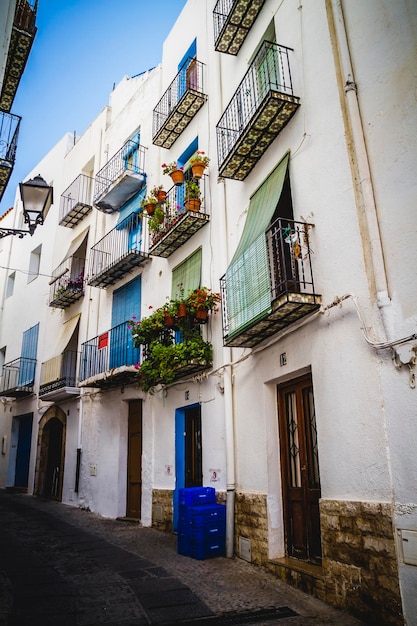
x=203 y=298
x=168 y=168
x=200 y=157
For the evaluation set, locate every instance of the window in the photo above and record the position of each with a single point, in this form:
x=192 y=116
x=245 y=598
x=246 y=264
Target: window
x=34 y=263
x=131 y=156
x=187 y=276
x=28 y=356
x=10 y=284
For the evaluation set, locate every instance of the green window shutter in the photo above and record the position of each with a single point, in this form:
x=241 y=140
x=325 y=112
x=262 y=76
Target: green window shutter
x=247 y=277
x=187 y=275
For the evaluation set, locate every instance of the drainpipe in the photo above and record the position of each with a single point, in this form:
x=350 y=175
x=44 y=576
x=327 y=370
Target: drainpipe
x=229 y=417
x=359 y=162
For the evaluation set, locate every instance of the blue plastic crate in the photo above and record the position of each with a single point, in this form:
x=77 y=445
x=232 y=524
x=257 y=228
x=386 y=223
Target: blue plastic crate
x=200 y=515
x=194 y=496
x=203 y=533
x=205 y=550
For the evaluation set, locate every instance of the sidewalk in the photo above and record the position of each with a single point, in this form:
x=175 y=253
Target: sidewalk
x=102 y=562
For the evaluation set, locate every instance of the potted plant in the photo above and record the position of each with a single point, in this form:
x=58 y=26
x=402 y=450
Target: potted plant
x=201 y=301
x=159 y=193
x=199 y=161
x=155 y=222
x=175 y=171
x=192 y=195
x=149 y=204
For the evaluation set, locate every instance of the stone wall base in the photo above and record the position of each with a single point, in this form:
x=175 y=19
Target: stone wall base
x=162 y=509
x=359 y=571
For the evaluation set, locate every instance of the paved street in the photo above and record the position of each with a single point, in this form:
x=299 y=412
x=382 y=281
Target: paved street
x=62 y=566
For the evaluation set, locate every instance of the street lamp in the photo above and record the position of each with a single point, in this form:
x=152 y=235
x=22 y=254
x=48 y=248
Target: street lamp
x=37 y=198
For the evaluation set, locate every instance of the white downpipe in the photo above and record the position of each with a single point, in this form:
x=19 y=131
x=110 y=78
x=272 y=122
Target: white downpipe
x=359 y=155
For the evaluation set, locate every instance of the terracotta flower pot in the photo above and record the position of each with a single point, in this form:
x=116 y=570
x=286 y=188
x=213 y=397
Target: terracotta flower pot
x=149 y=208
x=198 y=169
x=182 y=309
x=201 y=316
x=169 y=321
x=161 y=196
x=177 y=177
x=193 y=204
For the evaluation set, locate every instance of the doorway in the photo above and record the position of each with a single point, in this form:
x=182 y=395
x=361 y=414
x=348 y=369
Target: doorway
x=134 y=460
x=300 y=469
x=188 y=452
x=24 y=441
x=49 y=472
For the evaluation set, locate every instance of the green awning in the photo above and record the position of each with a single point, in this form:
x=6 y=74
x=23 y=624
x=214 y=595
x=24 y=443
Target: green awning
x=248 y=280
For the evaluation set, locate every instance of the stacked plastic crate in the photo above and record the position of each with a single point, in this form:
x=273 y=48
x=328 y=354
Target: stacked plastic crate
x=202 y=523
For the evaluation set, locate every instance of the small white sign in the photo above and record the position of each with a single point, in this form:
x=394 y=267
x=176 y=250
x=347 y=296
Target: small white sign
x=214 y=475
x=168 y=470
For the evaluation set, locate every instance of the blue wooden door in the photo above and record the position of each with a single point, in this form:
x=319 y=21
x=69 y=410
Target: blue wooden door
x=126 y=304
x=23 y=450
x=28 y=356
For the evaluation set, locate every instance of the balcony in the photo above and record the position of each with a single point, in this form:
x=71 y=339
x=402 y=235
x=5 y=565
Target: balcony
x=67 y=284
x=249 y=316
x=121 y=178
x=117 y=253
x=59 y=377
x=179 y=104
x=76 y=201
x=21 y=40
x=9 y=131
x=108 y=360
x=261 y=107
x=17 y=378
x=180 y=223
x=233 y=19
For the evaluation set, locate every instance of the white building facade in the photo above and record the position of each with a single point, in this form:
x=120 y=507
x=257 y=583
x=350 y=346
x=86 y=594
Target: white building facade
x=304 y=419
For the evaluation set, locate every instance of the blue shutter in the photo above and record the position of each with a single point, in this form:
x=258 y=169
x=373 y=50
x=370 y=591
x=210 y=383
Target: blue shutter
x=126 y=304
x=28 y=356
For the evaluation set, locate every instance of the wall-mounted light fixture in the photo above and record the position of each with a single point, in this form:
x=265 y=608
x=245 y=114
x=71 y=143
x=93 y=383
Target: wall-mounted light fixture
x=37 y=198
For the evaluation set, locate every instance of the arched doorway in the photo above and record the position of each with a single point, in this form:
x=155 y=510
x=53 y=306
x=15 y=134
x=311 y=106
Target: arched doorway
x=50 y=457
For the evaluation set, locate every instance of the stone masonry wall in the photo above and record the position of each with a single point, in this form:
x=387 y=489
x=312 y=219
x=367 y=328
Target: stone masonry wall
x=359 y=560
x=251 y=523
x=162 y=512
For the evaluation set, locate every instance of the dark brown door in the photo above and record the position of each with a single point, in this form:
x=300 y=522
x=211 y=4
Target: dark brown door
x=300 y=469
x=193 y=451
x=134 y=460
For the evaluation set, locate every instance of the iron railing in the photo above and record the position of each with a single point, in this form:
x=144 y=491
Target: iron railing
x=289 y=262
x=190 y=78
x=25 y=15
x=79 y=193
x=176 y=202
x=220 y=14
x=107 y=351
x=18 y=375
x=130 y=157
x=9 y=132
x=68 y=282
x=269 y=72
x=58 y=372
x=126 y=239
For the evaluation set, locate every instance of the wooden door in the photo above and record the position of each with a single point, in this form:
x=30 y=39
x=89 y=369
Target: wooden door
x=134 y=460
x=300 y=469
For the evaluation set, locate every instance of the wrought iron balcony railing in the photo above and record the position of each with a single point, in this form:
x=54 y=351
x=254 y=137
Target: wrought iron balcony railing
x=121 y=178
x=182 y=219
x=248 y=318
x=21 y=40
x=9 y=132
x=59 y=373
x=118 y=252
x=179 y=104
x=261 y=107
x=109 y=359
x=17 y=378
x=67 y=285
x=76 y=201
x=233 y=19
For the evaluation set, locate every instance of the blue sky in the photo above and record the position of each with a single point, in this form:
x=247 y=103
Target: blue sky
x=82 y=48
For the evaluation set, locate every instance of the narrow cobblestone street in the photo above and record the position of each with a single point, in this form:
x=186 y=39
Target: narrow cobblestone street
x=64 y=566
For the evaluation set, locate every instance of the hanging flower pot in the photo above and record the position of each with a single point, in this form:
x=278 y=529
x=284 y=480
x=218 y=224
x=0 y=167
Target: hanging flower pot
x=169 y=321
x=161 y=195
x=193 y=204
x=198 y=169
x=182 y=309
x=177 y=177
x=150 y=208
x=201 y=316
